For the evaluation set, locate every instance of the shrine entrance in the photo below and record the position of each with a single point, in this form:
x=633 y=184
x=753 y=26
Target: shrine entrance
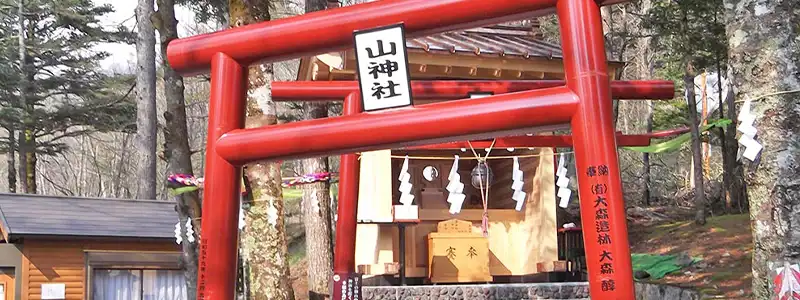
x=583 y=101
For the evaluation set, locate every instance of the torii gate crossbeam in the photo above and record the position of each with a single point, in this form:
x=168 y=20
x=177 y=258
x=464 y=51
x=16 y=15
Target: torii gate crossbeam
x=584 y=102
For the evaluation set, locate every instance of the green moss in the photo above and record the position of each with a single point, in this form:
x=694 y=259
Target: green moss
x=297 y=251
x=289 y=193
x=725 y=275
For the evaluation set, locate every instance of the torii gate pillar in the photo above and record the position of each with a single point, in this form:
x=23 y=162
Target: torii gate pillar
x=608 y=257
x=584 y=102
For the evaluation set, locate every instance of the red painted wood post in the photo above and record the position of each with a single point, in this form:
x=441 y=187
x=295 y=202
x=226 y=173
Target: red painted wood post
x=605 y=230
x=345 y=283
x=220 y=232
x=345 y=251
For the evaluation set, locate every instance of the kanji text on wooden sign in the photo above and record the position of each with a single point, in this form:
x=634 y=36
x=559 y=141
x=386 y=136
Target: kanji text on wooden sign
x=347 y=286
x=383 y=67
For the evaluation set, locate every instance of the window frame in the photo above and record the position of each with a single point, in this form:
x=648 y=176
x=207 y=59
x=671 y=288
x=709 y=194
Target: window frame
x=127 y=260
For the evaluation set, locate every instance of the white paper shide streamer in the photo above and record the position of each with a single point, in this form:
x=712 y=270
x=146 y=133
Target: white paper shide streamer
x=406 y=198
x=455 y=188
x=751 y=147
x=179 y=236
x=178 y=233
x=241 y=218
x=189 y=231
x=516 y=186
x=562 y=181
x=406 y=211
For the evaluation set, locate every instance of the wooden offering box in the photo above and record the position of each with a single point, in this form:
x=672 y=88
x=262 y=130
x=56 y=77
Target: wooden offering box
x=456 y=254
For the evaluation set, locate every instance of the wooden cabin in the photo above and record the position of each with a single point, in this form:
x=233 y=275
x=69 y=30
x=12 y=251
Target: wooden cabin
x=85 y=248
x=520 y=243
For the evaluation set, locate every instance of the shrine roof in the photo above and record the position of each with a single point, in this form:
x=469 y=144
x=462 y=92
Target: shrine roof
x=23 y=215
x=494 y=40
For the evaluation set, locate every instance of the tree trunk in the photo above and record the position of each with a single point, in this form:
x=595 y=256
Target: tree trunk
x=145 y=101
x=646 y=159
x=727 y=163
x=727 y=171
x=11 y=160
x=176 y=139
x=736 y=192
x=30 y=162
x=316 y=205
x=697 y=157
x=646 y=71
x=27 y=144
x=764 y=52
x=317 y=221
x=189 y=251
x=264 y=245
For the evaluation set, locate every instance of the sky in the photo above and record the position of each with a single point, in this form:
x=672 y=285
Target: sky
x=124 y=56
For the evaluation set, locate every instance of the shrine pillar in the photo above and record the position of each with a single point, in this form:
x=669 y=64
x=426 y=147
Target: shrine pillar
x=602 y=205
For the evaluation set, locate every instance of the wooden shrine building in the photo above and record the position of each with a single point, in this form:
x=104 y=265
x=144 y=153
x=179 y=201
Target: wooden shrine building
x=445 y=247
x=70 y=248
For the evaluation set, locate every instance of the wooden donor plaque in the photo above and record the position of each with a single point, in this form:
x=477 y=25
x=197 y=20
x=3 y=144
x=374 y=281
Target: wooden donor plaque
x=346 y=286
x=456 y=254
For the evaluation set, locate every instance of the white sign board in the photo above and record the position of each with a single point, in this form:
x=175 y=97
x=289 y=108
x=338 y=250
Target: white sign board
x=383 y=73
x=53 y=291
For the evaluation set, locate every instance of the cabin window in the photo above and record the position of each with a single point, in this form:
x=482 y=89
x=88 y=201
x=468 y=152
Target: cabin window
x=133 y=284
x=143 y=275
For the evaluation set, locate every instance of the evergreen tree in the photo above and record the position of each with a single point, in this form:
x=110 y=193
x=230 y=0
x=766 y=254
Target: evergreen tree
x=57 y=89
x=695 y=38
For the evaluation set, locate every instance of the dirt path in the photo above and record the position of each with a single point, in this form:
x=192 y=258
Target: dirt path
x=725 y=244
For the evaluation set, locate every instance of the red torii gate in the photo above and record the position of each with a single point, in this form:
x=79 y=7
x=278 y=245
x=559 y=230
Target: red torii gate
x=584 y=102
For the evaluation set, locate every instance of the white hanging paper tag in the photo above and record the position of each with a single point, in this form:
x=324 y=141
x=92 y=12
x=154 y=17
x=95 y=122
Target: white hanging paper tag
x=405 y=187
x=455 y=177
x=561 y=172
x=455 y=187
x=518 y=207
x=517 y=185
x=519 y=196
x=746 y=140
x=189 y=231
x=406 y=199
x=564 y=195
x=241 y=217
x=745 y=110
x=454 y=169
x=747 y=118
x=456 y=202
x=752 y=147
x=748 y=130
x=178 y=233
x=562 y=182
x=404 y=168
x=517 y=174
x=451 y=197
x=752 y=152
x=404 y=176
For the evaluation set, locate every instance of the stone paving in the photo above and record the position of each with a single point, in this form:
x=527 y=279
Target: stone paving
x=526 y=291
